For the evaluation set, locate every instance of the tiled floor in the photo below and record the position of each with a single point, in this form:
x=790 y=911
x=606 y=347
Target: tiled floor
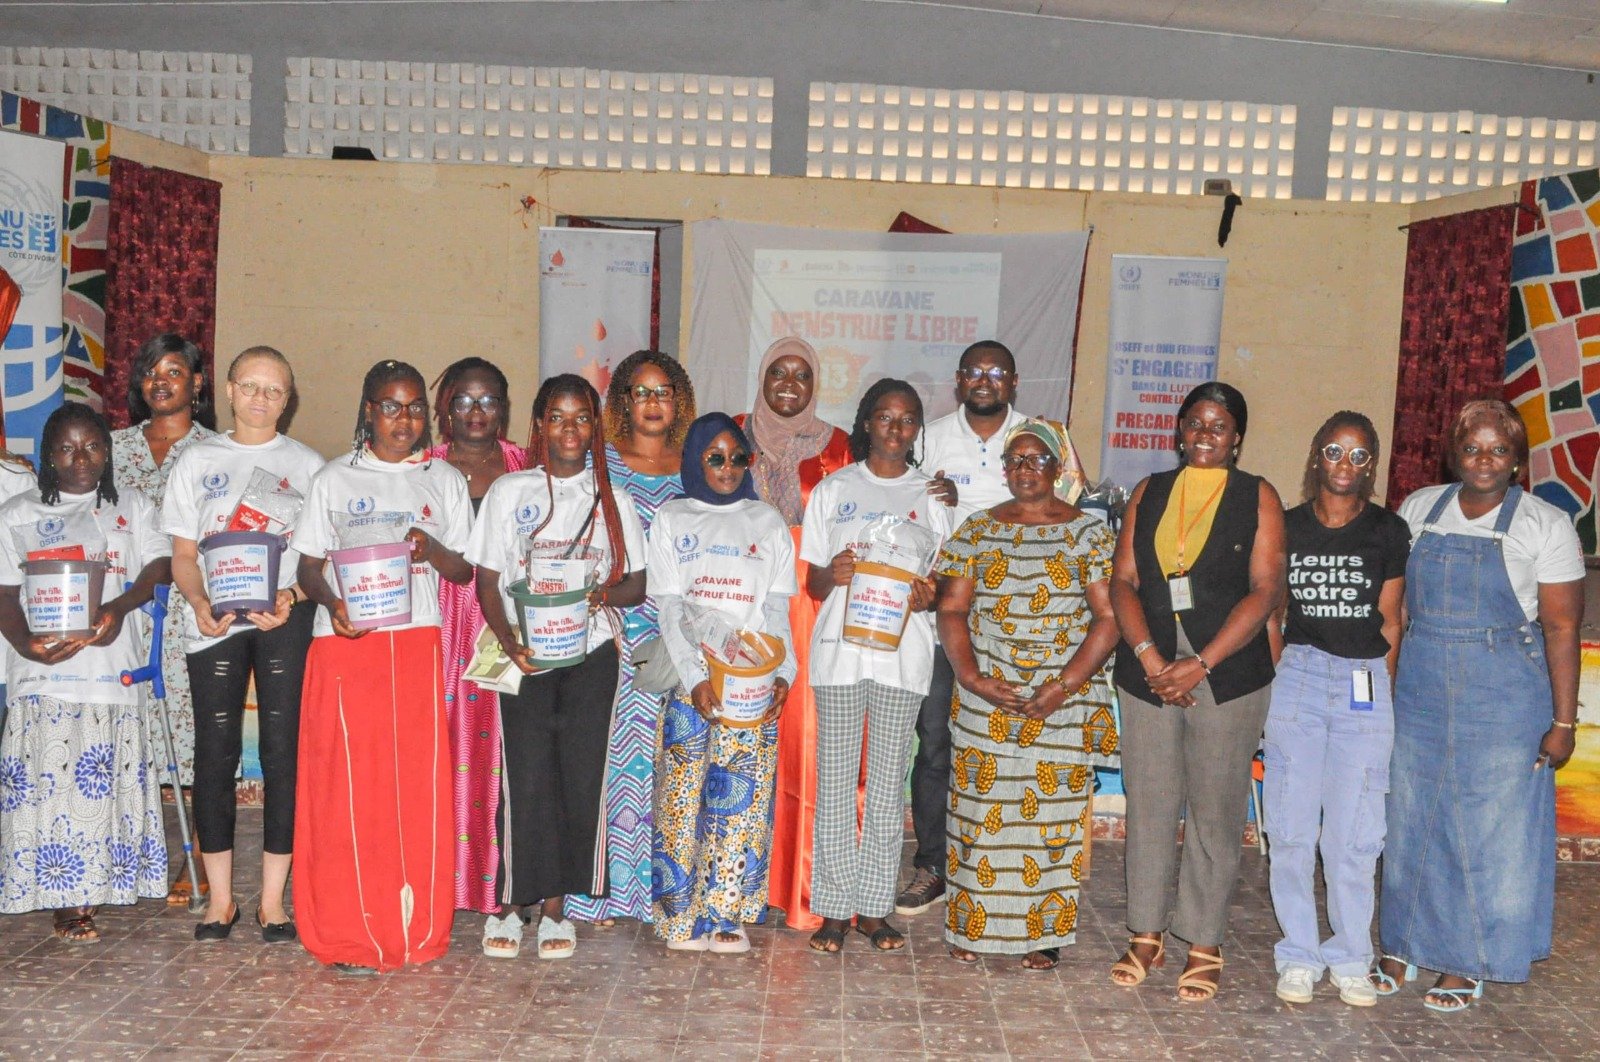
x=147 y=991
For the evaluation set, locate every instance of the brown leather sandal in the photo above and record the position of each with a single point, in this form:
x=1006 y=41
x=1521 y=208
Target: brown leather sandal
x=1194 y=979
x=75 y=925
x=1131 y=965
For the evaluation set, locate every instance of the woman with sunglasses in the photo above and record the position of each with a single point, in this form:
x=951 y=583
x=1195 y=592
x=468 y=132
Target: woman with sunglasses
x=372 y=852
x=1330 y=728
x=722 y=551
x=556 y=727
x=649 y=407
x=471 y=406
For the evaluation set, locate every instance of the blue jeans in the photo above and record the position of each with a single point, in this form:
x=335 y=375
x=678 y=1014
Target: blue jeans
x=1327 y=769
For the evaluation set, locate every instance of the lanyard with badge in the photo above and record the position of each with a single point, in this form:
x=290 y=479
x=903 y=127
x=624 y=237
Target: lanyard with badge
x=1178 y=582
x=1361 y=689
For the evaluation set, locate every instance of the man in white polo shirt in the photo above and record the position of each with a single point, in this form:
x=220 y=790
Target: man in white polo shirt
x=965 y=447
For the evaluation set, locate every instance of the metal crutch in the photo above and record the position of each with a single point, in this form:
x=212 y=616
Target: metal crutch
x=156 y=608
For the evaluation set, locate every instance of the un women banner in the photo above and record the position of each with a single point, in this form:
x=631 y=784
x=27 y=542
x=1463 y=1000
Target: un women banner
x=31 y=170
x=1166 y=326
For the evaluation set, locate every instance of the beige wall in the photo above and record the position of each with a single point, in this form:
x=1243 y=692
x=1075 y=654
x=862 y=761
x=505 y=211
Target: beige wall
x=340 y=264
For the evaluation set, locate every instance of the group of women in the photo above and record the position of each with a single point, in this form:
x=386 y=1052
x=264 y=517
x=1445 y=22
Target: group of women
x=401 y=791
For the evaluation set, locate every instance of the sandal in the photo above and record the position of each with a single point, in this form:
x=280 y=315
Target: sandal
x=885 y=937
x=75 y=925
x=830 y=938
x=561 y=933
x=1458 y=998
x=1385 y=983
x=1133 y=966
x=502 y=936
x=1051 y=956
x=700 y=943
x=1193 y=977
x=964 y=957
x=182 y=892
x=738 y=946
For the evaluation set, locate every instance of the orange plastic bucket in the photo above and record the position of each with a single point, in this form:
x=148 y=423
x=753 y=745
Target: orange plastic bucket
x=745 y=693
x=878 y=606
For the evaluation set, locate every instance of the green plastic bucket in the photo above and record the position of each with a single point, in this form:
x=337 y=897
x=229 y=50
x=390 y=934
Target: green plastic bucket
x=555 y=627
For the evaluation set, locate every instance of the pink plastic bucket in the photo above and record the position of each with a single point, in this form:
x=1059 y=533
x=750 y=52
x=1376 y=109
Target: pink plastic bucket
x=241 y=569
x=375 y=583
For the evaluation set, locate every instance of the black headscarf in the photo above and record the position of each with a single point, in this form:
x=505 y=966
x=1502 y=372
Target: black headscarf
x=701 y=435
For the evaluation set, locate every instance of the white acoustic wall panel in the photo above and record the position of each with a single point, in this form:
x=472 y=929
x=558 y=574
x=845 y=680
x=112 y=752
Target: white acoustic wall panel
x=540 y=116
x=1015 y=139
x=1385 y=156
x=199 y=99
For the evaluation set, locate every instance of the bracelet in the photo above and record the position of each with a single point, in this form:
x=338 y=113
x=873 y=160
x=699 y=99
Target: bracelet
x=1564 y=726
x=1139 y=649
x=1203 y=665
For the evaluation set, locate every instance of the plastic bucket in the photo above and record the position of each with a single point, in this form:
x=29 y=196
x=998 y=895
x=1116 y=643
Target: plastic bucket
x=375 y=583
x=555 y=627
x=877 y=606
x=62 y=596
x=241 y=569
x=745 y=692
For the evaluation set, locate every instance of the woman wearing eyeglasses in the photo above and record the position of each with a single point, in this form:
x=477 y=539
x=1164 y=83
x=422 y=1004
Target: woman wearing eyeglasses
x=725 y=552
x=1331 y=725
x=1198 y=571
x=372 y=850
x=471 y=406
x=207 y=483
x=649 y=407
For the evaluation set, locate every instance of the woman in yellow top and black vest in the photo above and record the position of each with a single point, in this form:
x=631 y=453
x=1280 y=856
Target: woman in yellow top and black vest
x=1199 y=568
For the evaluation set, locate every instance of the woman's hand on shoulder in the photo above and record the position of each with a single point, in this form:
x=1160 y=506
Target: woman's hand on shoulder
x=943 y=487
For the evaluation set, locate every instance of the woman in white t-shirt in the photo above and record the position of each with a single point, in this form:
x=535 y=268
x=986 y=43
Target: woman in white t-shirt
x=853 y=876
x=725 y=552
x=372 y=851
x=555 y=729
x=16 y=477
x=80 y=821
x=204 y=489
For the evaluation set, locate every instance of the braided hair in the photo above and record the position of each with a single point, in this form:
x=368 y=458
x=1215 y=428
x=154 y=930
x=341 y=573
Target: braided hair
x=381 y=374
x=860 y=441
x=571 y=385
x=69 y=414
x=1345 y=418
x=618 y=400
x=444 y=391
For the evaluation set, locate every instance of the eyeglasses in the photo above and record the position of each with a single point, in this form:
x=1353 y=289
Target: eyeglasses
x=663 y=393
x=1359 y=456
x=250 y=388
x=994 y=373
x=392 y=409
x=738 y=459
x=1037 y=462
x=487 y=403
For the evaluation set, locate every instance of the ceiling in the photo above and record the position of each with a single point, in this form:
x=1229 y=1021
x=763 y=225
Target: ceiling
x=1562 y=33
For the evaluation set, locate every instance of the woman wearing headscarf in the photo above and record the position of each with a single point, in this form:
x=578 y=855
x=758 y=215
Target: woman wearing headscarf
x=1025 y=616
x=795 y=449
x=720 y=550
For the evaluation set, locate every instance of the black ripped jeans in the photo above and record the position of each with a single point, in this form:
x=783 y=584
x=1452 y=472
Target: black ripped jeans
x=219 y=679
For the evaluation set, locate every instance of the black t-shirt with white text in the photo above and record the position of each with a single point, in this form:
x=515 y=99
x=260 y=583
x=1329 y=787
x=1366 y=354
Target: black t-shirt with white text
x=1336 y=576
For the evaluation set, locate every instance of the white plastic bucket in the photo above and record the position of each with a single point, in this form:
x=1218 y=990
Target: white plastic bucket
x=62 y=597
x=375 y=583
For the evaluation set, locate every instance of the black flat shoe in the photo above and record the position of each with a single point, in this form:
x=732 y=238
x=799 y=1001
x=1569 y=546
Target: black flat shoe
x=211 y=931
x=275 y=932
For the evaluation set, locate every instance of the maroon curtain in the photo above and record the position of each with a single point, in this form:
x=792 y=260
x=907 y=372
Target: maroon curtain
x=161 y=270
x=576 y=222
x=1452 y=336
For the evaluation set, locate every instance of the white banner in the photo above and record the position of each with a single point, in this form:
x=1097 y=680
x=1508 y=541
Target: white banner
x=1166 y=325
x=878 y=304
x=594 y=300
x=31 y=176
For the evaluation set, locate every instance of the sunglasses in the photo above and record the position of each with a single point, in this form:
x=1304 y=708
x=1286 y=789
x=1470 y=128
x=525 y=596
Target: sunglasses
x=738 y=459
x=1359 y=456
x=994 y=373
x=663 y=393
x=1037 y=462
x=392 y=409
x=487 y=403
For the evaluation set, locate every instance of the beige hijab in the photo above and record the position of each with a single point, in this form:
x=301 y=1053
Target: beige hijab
x=784 y=442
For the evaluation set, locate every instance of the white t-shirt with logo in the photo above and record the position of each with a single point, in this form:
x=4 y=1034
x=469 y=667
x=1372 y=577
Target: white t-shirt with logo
x=15 y=479
x=728 y=558
x=127 y=533
x=519 y=502
x=973 y=464
x=431 y=491
x=206 y=483
x=836 y=517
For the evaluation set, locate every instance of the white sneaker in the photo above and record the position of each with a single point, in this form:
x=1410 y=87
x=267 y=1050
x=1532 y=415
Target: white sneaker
x=1357 y=991
x=1294 y=984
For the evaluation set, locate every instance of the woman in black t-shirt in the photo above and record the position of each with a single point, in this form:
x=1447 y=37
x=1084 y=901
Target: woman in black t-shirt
x=1331 y=725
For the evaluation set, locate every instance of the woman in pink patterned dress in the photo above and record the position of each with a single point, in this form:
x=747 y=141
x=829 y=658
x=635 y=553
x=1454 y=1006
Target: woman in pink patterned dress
x=472 y=404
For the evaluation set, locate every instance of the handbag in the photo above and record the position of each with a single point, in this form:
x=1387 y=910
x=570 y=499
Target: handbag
x=652 y=667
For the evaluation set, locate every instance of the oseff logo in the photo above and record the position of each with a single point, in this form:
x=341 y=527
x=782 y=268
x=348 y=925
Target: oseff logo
x=361 y=506
x=50 y=525
x=687 y=542
x=1129 y=274
x=215 y=481
x=847 y=510
x=528 y=513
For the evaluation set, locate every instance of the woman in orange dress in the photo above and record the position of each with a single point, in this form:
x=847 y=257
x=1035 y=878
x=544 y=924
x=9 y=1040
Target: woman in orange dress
x=795 y=448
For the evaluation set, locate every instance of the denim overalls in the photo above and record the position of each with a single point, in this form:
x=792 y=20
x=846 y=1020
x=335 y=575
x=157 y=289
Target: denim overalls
x=1469 y=868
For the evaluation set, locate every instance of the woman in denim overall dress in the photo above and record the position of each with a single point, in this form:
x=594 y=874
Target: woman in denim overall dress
x=1486 y=700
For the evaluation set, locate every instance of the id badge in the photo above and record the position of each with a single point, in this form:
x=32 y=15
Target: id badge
x=1361 y=690
x=1182 y=596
